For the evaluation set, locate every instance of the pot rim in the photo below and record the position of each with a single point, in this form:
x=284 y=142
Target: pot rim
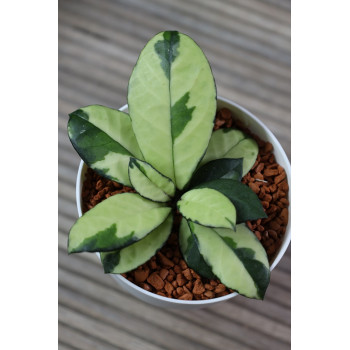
x=278 y=257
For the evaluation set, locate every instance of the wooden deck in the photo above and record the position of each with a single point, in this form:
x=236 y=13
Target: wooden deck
x=248 y=45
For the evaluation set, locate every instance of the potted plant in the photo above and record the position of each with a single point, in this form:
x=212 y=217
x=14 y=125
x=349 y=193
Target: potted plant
x=166 y=150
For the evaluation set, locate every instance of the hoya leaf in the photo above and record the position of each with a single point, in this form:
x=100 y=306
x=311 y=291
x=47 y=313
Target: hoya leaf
x=237 y=258
x=115 y=223
x=208 y=207
x=150 y=183
x=104 y=139
x=172 y=104
x=189 y=248
x=246 y=202
x=221 y=141
x=225 y=168
x=247 y=149
x=114 y=123
x=129 y=258
x=232 y=143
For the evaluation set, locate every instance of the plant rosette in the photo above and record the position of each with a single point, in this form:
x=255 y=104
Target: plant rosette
x=166 y=150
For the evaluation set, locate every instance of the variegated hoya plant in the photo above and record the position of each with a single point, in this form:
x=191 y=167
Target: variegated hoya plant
x=165 y=149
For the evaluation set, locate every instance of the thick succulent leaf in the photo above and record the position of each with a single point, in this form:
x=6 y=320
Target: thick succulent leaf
x=208 y=207
x=116 y=222
x=150 y=183
x=104 y=139
x=246 y=202
x=114 y=123
x=221 y=141
x=172 y=104
x=236 y=257
x=129 y=258
x=247 y=149
x=232 y=143
x=189 y=248
x=225 y=168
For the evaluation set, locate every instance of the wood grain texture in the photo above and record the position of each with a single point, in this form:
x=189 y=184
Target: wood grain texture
x=248 y=45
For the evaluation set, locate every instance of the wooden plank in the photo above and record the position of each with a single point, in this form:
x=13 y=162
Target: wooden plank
x=106 y=70
x=63 y=139
x=75 y=49
x=267 y=112
x=267 y=308
x=154 y=14
x=220 y=323
x=278 y=295
x=270 y=12
x=62 y=346
x=278 y=113
x=83 y=43
x=249 y=318
x=281 y=278
x=94 y=92
x=66 y=191
x=67 y=207
x=244 y=12
x=77 y=339
x=284 y=4
x=222 y=17
x=99 y=75
x=179 y=325
x=64 y=225
x=68 y=156
x=103 y=331
x=125 y=53
x=62 y=115
x=106 y=81
x=285 y=263
x=186 y=14
x=243 y=315
x=83 y=93
x=275 y=92
x=89 y=266
x=66 y=146
x=67 y=173
x=242 y=311
x=118 y=319
x=281 y=131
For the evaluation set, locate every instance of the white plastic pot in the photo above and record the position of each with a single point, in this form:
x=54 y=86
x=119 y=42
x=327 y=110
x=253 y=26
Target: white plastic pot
x=258 y=128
